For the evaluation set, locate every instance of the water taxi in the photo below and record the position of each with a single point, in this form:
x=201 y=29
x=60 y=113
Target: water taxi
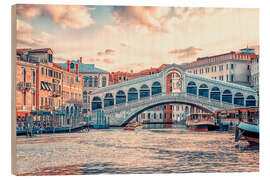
x=201 y=122
x=248 y=126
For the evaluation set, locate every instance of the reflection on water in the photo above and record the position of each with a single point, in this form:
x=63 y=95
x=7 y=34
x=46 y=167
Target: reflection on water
x=153 y=149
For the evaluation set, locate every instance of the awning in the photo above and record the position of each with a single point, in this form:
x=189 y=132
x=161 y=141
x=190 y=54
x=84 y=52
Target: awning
x=23 y=113
x=40 y=113
x=60 y=113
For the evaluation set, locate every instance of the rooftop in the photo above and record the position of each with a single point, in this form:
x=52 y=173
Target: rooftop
x=83 y=68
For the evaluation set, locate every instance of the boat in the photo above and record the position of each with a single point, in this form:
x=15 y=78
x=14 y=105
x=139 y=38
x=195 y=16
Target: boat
x=248 y=127
x=201 y=122
x=131 y=126
x=227 y=119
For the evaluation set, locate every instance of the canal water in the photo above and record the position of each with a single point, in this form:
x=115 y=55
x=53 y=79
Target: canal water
x=155 y=149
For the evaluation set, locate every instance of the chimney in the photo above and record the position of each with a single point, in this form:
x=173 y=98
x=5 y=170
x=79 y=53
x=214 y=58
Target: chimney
x=80 y=59
x=77 y=68
x=68 y=65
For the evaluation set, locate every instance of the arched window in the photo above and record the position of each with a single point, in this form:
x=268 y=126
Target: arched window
x=192 y=88
x=215 y=93
x=24 y=74
x=132 y=94
x=227 y=96
x=238 y=99
x=120 y=97
x=108 y=100
x=156 y=88
x=90 y=81
x=144 y=91
x=203 y=90
x=96 y=81
x=250 y=101
x=104 y=82
x=96 y=103
x=84 y=97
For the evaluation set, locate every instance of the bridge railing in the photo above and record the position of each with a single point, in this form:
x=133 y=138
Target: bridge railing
x=164 y=96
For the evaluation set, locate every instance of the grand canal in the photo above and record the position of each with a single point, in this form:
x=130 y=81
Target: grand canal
x=156 y=149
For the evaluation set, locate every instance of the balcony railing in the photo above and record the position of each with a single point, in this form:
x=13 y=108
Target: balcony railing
x=56 y=94
x=24 y=85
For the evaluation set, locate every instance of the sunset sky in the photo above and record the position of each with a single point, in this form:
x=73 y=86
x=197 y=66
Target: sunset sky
x=134 y=38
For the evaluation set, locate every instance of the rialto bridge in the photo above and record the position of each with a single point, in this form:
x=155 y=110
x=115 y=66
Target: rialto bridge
x=124 y=101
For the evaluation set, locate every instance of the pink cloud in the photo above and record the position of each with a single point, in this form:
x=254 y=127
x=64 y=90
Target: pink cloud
x=106 y=52
x=187 y=52
x=27 y=37
x=124 y=45
x=153 y=18
x=72 y=16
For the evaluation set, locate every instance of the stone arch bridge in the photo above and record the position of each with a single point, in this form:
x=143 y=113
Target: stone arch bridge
x=124 y=101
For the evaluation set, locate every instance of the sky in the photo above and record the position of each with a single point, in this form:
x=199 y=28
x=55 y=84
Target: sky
x=125 y=38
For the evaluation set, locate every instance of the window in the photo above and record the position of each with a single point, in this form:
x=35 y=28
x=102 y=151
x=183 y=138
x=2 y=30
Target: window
x=119 y=77
x=24 y=74
x=164 y=107
x=227 y=77
x=160 y=116
x=212 y=69
x=41 y=101
x=50 y=73
x=248 y=67
x=215 y=69
x=45 y=100
x=96 y=81
x=227 y=66
x=232 y=66
x=104 y=81
x=148 y=116
x=59 y=76
x=165 y=115
x=221 y=78
x=143 y=116
x=221 y=68
x=42 y=71
x=232 y=78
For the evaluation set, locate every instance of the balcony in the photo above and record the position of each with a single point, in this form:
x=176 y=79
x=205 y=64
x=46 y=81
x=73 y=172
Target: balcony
x=56 y=94
x=24 y=85
x=46 y=107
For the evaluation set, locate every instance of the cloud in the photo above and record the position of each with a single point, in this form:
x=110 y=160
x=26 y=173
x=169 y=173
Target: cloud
x=98 y=60
x=106 y=52
x=153 y=18
x=124 y=45
x=108 y=61
x=72 y=16
x=26 y=36
x=184 y=53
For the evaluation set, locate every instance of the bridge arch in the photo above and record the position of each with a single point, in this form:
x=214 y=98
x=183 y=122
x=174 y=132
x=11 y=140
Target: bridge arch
x=192 y=88
x=144 y=91
x=108 y=100
x=215 y=93
x=156 y=88
x=204 y=90
x=96 y=103
x=238 y=99
x=250 y=101
x=146 y=107
x=227 y=96
x=120 y=97
x=132 y=94
x=173 y=81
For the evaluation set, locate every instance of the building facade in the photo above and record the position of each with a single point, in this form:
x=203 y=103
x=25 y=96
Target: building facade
x=233 y=67
x=93 y=78
x=45 y=89
x=255 y=73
